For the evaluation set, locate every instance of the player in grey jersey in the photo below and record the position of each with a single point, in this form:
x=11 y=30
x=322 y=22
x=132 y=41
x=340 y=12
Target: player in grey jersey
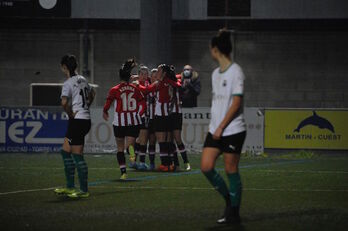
x=76 y=98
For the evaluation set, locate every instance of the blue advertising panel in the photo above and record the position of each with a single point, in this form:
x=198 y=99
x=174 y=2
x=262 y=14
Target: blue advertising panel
x=29 y=129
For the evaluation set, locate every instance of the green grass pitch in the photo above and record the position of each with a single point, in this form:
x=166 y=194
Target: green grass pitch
x=286 y=192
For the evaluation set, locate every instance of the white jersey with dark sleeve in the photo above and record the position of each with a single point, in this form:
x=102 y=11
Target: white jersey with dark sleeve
x=225 y=85
x=77 y=89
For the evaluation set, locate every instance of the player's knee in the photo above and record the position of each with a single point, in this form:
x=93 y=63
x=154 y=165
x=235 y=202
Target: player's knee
x=231 y=168
x=206 y=166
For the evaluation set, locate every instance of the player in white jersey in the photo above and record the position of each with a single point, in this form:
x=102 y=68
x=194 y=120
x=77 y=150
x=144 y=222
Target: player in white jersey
x=76 y=98
x=227 y=128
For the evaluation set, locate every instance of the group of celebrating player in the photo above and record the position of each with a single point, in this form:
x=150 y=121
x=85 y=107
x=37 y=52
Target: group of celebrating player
x=147 y=109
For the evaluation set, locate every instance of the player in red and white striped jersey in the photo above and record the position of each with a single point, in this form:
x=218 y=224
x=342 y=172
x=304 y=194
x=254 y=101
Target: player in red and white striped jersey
x=146 y=88
x=176 y=127
x=126 y=116
x=163 y=109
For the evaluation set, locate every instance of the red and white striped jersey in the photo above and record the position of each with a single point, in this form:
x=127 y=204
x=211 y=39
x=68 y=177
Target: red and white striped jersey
x=164 y=97
x=127 y=108
x=152 y=105
x=146 y=88
x=176 y=101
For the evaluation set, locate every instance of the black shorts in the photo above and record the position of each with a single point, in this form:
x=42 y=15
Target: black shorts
x=144 y=123
x=77 y=130
x=162 y=124
x=176 y=121
x=228 y=144
x=151 y=128
x=123 y=131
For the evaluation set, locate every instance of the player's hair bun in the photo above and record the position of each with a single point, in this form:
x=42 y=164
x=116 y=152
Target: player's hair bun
x=126 y=68
x=169 y=71
x=222 y=41
x=224 y=34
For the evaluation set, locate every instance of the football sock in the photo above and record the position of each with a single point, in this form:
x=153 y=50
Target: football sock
x=183 y=153
x=152 y=151
x=219 y=184
x=163 y=153
x=175 y=154
x=69 y=169
x=168 y=157
x=136 y=150
x=121 y=159
x=82 y=171
x=235 y=188
x=142 y=153
x=170 y=154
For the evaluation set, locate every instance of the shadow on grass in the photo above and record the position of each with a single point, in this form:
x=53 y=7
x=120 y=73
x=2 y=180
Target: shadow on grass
x=126 y=181
x=264 y=217
x=65 y=199
x=218 y=227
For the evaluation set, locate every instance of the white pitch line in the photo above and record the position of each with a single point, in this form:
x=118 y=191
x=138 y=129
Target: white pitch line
x=27 y=190
x=256 y=170
x=50 y=168
x=182 y=188
x=301 y=171
x=206 y=188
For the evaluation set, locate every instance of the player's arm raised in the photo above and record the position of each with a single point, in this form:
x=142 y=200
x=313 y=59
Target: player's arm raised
x=151 y=88
x=173 y=83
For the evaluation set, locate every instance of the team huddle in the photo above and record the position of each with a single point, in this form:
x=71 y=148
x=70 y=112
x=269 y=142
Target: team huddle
x=147 y=108
x=147 y=111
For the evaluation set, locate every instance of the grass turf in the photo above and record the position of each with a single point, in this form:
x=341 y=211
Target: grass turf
x=306 y=192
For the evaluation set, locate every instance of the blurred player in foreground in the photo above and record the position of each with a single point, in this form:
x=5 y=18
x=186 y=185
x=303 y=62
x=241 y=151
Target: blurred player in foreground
x=227 y=127
x=76 y=98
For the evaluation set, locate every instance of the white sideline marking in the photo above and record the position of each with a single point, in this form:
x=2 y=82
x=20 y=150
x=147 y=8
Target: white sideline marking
x=49 y=168
x=206 y=188
x=256 y=170
x=183 y=188
x=27 y=190
x=302 y=171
